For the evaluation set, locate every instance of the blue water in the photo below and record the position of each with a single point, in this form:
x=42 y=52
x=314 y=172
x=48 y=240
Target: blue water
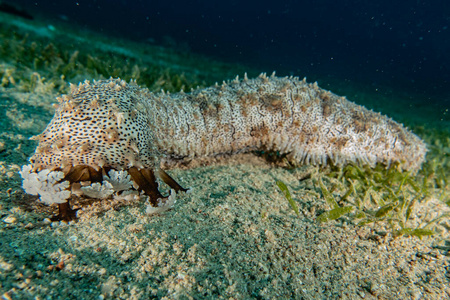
x=400 y=43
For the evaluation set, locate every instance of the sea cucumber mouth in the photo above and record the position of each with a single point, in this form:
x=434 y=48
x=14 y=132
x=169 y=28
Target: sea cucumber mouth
x=145 y=179
x=58 y=185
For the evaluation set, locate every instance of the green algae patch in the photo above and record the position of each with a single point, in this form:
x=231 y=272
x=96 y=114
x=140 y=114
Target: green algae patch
x=334 y=214
x=420 y=232
x=288 y=196
x=385 y=196
x=337 y=211
x=388 y=197
x=327 y=195
x=55 y=57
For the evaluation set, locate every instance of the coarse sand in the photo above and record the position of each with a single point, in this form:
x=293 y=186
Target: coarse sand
x=233 y=236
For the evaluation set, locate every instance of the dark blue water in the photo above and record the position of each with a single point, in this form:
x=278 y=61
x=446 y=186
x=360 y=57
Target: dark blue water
x=401 y=43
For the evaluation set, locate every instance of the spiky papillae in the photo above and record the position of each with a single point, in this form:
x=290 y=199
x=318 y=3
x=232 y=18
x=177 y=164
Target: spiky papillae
x=110 y=123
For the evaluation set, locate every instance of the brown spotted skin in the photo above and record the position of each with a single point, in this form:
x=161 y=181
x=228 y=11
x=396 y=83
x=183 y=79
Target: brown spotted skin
x=98 y=125
x=113 y=124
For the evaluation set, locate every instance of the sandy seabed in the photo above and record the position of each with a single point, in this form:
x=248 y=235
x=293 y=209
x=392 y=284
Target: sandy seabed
x=232 y=236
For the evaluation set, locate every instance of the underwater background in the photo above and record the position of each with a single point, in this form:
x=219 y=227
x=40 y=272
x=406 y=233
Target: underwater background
x=401 y=44
x=388 y=47
x=235 y=235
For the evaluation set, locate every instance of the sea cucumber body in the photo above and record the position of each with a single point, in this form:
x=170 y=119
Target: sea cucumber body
x=292 y=117
x=119 y=125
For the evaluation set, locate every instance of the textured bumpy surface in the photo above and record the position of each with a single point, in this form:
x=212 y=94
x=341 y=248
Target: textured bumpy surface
x=119 y=125
x=110 y=126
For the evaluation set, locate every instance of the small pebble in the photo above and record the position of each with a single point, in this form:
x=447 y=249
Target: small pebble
x=10 y=219
x=6 y=296
x=54 y=282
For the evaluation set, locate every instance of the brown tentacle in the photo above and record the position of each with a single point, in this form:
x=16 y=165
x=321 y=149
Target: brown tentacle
x=83 y=173
x=170 y=181
x=66 y=213
x=146 y=180
x=76 y=174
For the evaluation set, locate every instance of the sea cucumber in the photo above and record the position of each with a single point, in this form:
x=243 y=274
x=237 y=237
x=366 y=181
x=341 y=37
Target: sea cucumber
x=113 y=125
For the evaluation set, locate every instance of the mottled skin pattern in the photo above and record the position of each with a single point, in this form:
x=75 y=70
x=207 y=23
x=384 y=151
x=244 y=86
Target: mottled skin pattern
x=110 y=124
x=307 y=123
x=117 y=125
